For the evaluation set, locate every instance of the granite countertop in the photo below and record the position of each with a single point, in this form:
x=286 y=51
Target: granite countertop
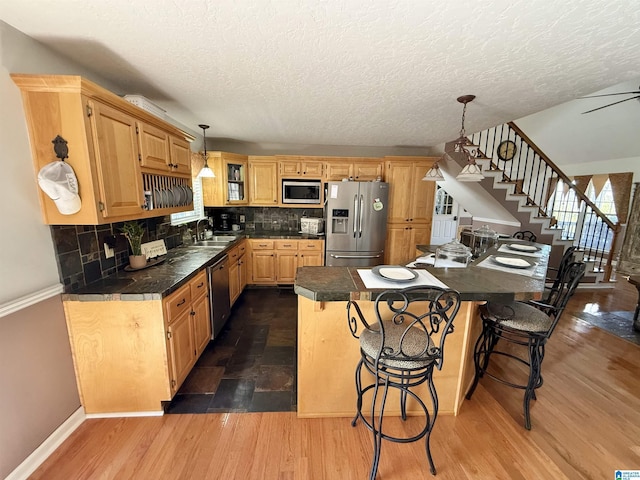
x=276 y=235
x=154 y=282
x=474 y=283
x=158 y=281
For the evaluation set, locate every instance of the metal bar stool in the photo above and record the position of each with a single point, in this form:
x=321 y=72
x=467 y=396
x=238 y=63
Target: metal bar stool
x=525 y=324
x=399 y=352
x=525 y=235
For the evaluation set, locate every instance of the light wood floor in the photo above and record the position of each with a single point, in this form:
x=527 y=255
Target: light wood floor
x=586 y=424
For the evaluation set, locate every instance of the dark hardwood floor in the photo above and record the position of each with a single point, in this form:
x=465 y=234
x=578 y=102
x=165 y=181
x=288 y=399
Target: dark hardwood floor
x=585 y=424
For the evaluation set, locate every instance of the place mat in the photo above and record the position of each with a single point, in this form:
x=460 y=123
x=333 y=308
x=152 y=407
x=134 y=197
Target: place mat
x=504 y=248
x=425 y=278
x=529 y=272
x=428 y=259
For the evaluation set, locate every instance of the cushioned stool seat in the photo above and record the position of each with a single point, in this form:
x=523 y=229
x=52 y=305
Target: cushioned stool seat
x=518 y=316
x=416 y=345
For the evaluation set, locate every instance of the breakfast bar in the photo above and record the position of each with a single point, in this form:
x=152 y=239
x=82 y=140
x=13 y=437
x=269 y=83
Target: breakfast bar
x=328 y=354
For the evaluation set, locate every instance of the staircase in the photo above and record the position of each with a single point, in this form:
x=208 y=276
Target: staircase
x=526 y=186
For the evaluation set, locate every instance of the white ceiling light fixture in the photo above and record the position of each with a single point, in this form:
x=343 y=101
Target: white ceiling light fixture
x=206 y=172
x=471 y=171
x=433 y=174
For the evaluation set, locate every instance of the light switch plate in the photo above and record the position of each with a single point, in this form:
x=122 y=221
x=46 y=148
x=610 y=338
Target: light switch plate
x=108 y=251
x=154 y=249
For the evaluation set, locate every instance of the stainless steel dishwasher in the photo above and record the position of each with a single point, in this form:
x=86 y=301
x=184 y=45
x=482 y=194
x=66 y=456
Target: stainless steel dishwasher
x=218 y=295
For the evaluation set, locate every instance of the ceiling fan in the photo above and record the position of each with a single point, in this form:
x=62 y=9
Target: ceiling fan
x=636 y=93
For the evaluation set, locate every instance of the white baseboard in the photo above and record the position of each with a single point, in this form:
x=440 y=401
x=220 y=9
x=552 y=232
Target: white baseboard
x=46 y=448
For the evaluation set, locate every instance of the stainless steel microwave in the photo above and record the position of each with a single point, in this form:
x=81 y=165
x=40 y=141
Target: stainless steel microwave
x=301 y=191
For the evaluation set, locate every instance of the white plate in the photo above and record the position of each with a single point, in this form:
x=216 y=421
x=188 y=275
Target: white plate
x=522 y=248
x=512 y=262
x=395 y=273
x=157 y=197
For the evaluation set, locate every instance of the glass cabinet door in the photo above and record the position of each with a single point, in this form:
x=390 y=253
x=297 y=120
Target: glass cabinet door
x=236 y=178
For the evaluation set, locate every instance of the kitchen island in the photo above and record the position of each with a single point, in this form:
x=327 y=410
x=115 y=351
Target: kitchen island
x=328 y=354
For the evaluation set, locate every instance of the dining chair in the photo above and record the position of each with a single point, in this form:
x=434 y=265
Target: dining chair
x=519 y=331
x=399 y=350
x=525 y=235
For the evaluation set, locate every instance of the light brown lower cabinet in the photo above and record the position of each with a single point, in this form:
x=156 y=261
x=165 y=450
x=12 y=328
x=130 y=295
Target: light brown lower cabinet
x=276 y=261
x=402 y=239
x=130 y=356
x=237 y=271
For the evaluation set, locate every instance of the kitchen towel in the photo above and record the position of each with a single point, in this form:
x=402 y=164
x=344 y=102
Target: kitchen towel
x=425 y=278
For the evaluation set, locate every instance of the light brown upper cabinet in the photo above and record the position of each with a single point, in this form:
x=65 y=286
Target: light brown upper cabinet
x=162 y=152
x=116 y=161
x=107 y=138
x=263 y=181
x=230 y=185
x=361 y=169
x=410 y=198
x=298 y=166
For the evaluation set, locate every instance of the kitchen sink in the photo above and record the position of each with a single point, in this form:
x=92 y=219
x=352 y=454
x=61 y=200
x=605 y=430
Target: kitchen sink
x=221 y=238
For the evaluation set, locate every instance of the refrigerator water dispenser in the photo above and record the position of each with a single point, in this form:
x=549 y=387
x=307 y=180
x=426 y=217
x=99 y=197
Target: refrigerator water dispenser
x=339 y=220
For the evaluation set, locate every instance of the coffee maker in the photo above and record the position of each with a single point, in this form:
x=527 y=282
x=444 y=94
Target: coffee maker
x=225 y=222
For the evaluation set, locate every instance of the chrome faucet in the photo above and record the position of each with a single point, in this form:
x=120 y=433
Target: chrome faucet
x=200 y=236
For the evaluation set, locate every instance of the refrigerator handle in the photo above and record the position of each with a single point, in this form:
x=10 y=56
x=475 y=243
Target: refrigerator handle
x=355 y=215
x=361 y=212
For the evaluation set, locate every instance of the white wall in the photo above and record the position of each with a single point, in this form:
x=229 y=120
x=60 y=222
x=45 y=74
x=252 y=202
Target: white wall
x=27 y=259
x=36 y=370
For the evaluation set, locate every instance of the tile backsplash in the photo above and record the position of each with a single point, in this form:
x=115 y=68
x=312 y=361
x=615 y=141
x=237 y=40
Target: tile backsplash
x=263 y=219
x=80 y=249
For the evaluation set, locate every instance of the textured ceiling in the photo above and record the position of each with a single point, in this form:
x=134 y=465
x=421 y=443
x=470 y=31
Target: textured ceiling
x=337 y=72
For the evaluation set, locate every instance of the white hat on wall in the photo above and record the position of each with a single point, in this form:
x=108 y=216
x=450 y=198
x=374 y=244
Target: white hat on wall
x=59 y=182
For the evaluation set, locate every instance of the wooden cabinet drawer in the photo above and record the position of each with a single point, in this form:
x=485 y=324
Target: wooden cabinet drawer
x=233 y=254
x=178 y=302
x=310 y=245
x=199 y=285
x=262 y=244
x=286 y=244
x=242 y=248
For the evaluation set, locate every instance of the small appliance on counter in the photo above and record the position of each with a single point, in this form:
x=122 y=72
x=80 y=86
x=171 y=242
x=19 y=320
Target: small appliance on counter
x=311 y=226
x=225 y=222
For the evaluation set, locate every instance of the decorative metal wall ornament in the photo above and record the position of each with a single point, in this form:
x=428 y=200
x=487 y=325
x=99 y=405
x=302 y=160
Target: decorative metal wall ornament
x=60 y=147
x=471 y=171
x=206 y=171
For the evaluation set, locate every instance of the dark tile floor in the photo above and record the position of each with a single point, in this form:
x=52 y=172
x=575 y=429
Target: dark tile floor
x=251 y=366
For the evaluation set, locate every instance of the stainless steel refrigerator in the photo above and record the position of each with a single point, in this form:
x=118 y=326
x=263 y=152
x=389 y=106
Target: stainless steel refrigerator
x=355 y=223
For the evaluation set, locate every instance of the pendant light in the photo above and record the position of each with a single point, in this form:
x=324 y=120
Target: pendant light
x=206 y=172
x=471 y=171
x=433 y=174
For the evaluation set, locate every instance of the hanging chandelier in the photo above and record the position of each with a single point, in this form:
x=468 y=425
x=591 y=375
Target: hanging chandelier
x=206 y=172
x=471 y=171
